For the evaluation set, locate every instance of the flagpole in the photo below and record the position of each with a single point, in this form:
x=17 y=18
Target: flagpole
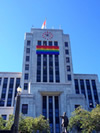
x=45 y=23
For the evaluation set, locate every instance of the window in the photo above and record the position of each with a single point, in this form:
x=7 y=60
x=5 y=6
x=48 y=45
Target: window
x=57 y=114
x=3 y=94
x=51 y=113
x=44 y=43
x=82 y=87
x=95 y=93
x=26 y=76
x=67 y=60
x=11 y=83
x=68 y=68
x=44 y=106
x=76 y=86
x=50 y=68
x=69 y=77
x=4 y=117
x=50 y=43
x=27 y=50
x=24 y=108
x=57 y=76
x=26 y=66
x=27 y=58
x=9 y=101
x=28 y=42
x=66 y=44
x=0 y=80
x=38 y=68
x=76 y=106
x=39 y=43
x=89 y=93
x=55 y=43
x=25 y=86
x=44 y=68
x=17 y=85
x=67 y=51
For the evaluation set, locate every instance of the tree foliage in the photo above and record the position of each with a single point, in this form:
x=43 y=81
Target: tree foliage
x=9 y=122
x=2 y=123
x=85 y=121
x=26 y=124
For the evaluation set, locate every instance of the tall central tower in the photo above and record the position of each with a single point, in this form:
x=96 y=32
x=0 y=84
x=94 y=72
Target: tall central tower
x=47 y=76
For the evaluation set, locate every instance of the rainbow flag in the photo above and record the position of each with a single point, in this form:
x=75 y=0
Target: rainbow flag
x=47 y=50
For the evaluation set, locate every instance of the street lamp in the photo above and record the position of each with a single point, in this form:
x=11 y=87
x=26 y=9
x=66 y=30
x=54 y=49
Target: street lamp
x=19 y=90
x=17 y=111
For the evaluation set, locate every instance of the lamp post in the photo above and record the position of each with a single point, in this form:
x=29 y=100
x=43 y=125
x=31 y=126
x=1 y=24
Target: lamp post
x=17 y=111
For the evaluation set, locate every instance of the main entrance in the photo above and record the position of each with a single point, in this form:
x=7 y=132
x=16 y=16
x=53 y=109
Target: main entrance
x=50 y=109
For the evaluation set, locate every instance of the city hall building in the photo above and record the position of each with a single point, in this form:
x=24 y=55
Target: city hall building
x=49 y=85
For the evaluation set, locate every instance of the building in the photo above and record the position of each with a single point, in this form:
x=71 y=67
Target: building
x=9 y=82
x=49 y=86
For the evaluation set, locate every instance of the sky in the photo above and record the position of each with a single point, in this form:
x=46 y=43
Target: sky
x=78 y=18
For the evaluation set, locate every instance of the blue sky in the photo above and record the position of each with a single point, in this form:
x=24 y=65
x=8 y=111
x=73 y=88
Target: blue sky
x=78 y=18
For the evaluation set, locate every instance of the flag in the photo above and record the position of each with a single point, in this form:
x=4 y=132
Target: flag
x=44 y=25
x=51 y=50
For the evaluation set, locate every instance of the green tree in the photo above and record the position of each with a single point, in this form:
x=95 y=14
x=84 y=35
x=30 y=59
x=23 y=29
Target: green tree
x=28 y=124
x=9 y=122
x=85 y=121
x=2 y=123
x=95 y=115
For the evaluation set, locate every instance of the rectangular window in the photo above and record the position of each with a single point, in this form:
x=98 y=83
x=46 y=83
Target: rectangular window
x=0 y=80
x=76 y=86
x=67 y=60
x=44 y=106
x=57 y=76
x=50 y=68
x=26 y=66
x=27 y=50
x=67 y=51
x=76 y=106
x=69 y=77
x=27 y=58
x=4 y=89
x=44 y=43
x=50 y=43
x=55 y=43
x=82 y=87
x=39 y=43
x=4 y=117
x=9 y=102
x=28 y=42
x=68 y=68
x=89 y=93
x=24 y=108
x=57 y=114
x=17 y=85
x=25 y=86
x=51 y=112
x=44 y=68
x=26 y=76
x=38 y=68
x=66 y=44
x=95 y=93
x=10 y=92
